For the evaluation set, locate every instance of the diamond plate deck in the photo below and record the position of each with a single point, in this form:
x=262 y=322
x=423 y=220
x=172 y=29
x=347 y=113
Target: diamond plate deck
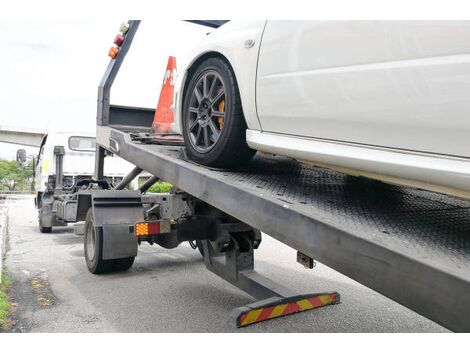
x=422 y=224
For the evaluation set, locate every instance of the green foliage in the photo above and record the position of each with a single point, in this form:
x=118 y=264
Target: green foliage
x=161 y=187
x=14 y=175
x=4 y=304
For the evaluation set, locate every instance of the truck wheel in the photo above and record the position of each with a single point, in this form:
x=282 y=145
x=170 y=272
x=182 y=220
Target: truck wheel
x=46 y=229
x=93 y=245
x=214 y=127
x=43 y=229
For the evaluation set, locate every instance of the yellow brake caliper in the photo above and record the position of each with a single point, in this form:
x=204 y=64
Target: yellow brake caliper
x=221 y=109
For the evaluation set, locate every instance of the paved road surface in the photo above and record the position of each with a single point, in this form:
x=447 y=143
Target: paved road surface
x=171 y=291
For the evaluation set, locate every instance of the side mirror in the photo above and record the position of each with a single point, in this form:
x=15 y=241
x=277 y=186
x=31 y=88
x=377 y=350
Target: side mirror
x=21 y=156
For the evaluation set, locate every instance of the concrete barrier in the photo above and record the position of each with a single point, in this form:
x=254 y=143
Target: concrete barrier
x=3 y=233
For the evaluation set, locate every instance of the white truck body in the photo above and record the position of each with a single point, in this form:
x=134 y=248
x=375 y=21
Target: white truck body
x=79 y=161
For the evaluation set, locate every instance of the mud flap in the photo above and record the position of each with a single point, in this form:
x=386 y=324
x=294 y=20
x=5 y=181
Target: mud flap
x=115 y=214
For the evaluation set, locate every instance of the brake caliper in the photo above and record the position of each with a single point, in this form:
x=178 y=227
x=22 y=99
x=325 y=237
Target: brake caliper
x=221 y=109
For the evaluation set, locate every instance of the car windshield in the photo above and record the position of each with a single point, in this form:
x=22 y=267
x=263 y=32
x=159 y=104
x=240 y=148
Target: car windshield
x=82 y=144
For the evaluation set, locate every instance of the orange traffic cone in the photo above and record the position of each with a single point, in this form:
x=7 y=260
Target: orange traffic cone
x=164 y=116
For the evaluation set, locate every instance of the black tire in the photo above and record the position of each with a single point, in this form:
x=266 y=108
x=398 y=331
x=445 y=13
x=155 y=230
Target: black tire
x=122 y=264
x=230 y=148
x=43 y=229
x=46 y=229
x=94 y=254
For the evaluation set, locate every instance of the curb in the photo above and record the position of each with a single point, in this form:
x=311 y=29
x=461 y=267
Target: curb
x=3 y=231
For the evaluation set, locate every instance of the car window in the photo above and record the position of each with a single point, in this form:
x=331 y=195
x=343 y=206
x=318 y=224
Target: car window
x=82 y=144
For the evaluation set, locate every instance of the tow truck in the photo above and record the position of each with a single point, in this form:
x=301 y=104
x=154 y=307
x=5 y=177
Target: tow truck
x=410 y=245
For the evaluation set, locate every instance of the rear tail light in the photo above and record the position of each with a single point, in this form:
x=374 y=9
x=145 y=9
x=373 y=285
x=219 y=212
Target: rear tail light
x=152 y=228
x=119 y=39
x=113 y=52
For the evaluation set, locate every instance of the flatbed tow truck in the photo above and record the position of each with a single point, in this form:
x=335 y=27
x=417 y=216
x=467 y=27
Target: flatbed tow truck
x=410 y=245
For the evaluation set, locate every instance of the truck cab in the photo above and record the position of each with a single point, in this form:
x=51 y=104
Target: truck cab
x=78 y=165
x=79 y=160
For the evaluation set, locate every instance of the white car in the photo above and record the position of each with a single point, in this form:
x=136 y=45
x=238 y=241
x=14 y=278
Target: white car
x=388 y=100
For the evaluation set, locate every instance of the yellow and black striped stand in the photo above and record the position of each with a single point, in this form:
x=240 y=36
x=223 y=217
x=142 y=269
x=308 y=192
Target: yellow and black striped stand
x=276 y=307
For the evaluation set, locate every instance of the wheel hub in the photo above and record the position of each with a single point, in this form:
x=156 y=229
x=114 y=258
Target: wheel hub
x=205 y=111
x=205 y=118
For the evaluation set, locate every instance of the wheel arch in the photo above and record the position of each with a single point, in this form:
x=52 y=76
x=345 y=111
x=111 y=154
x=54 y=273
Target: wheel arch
x=190 y=71
x=198 y=60
x=238 y=44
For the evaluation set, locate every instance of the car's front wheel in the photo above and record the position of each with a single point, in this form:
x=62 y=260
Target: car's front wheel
x=214 y=127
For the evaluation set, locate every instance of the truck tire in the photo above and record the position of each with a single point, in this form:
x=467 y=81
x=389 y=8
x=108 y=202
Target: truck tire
x=214 y=127
x=93 y=246
x=43 y=229
x=46 y=229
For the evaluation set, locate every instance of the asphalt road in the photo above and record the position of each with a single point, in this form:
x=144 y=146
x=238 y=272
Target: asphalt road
x=171 y=291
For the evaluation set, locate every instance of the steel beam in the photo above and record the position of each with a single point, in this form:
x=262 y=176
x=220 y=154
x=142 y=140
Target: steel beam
x=129 y=177
x=149 y=183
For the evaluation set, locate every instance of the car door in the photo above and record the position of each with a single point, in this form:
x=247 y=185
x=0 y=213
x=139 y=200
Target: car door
x=395 y=84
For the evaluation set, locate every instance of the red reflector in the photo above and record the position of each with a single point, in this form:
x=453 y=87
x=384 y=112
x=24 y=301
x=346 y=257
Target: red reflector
x=119 y=40
x=154 y=228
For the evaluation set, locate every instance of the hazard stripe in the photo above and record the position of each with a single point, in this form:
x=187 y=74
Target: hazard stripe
x=325 y=299
x=250 y=317
x=316 y=302
x=277 y=311
x=266 y=313
x=291 y=308
x=305 y=304
x=260 y=314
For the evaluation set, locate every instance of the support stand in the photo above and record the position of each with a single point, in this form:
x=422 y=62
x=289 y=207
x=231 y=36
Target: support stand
x=231 y=256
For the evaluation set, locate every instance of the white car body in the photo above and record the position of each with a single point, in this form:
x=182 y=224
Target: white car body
x=76 y=163
x=382 y=99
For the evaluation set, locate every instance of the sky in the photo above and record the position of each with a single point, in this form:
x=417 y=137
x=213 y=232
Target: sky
x=50 y=70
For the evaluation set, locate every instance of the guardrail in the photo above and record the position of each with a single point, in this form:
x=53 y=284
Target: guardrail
x=16 y=192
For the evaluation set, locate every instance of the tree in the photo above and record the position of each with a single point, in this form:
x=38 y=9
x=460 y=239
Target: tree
x=13 y=174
